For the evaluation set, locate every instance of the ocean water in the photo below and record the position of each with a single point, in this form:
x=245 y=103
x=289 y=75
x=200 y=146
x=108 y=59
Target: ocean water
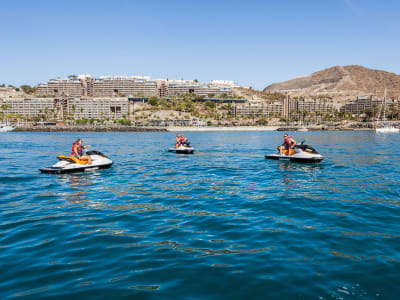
x=224 y=223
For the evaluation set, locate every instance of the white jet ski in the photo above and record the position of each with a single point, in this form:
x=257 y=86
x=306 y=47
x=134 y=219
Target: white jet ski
x=185 y=148
x=68 y=164
x=300 y=153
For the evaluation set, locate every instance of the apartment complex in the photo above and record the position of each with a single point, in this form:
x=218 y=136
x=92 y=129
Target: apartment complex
x=127 y=86
x=71 y=87
x=135 y=86
x=258 y=109
x=361 y=104
x=207 y=90
x=286 y=108
x=321 y=106
x=29 y=107
x=97 y=108
x=224 y=83
x=77 y=108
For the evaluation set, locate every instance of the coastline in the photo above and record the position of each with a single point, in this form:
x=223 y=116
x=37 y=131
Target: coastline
x=177 y=129
x=87 y=129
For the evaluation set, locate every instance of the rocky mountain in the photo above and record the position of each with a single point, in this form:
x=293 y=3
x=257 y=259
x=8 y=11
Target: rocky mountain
x=342 y=83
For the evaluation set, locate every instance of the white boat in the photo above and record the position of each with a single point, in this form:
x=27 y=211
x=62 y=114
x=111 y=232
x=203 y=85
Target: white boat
x=302 y=129
x=386 y=128
x=6 y=127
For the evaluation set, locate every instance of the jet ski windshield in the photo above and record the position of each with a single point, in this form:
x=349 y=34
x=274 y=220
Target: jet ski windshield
x=94 y=152
x=306 y=148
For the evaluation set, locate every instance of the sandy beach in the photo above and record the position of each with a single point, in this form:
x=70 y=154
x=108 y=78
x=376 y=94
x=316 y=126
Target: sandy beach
x=241 y=128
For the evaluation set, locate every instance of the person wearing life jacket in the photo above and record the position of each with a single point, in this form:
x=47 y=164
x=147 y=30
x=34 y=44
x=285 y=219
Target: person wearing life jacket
x=288 y=144
x=184 y=141
x=77 y=148
x=178 y=141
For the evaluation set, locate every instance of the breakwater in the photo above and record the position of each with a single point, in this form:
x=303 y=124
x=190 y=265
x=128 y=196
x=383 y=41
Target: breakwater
x=86 y=129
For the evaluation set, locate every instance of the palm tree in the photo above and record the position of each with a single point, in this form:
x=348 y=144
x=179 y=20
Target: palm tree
x=392 y=110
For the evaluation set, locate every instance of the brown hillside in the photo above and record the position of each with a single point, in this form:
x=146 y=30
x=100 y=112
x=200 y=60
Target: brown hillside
x=342 y=83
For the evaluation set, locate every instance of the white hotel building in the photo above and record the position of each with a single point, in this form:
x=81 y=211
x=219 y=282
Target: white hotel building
x=131 y=86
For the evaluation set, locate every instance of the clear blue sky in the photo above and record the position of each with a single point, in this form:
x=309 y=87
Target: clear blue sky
x=254 y=43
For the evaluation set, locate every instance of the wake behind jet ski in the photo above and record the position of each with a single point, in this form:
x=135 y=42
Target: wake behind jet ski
x=182 y=145
x=300 y=153
x=68 y=164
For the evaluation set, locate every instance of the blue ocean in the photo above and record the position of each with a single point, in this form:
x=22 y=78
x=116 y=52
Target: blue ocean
x=223 y=223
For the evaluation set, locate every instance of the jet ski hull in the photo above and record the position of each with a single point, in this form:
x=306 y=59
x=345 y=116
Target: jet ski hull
x=70 y=165
x=182 y=150
x=301 y=153
x=293 y=158
x=60 y=170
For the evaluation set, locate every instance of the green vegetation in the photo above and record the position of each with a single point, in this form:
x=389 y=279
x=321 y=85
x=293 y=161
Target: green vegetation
x=124 y=122
x=153 y=101
x=209 y=105
x=81 y=121
x=28 y=89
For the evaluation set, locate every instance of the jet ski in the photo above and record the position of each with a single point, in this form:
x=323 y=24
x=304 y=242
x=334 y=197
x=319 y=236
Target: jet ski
x=300 y=153
x=184 y=148
x=68 y=164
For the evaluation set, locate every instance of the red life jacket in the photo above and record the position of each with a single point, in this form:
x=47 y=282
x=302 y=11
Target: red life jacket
x=288 y=142
x=79 y=150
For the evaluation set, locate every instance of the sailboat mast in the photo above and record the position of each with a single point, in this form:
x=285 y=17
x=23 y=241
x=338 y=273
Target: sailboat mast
x=384 y=107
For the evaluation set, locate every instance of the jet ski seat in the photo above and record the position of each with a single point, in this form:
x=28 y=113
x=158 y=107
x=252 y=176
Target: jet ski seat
x=72 y=159
x=292 y=151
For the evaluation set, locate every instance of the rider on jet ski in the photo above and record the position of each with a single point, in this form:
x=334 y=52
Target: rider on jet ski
x=288 y=144
x=77 y=151
x=181 y=140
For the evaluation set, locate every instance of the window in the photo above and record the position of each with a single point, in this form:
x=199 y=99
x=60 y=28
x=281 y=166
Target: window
x=115 y=109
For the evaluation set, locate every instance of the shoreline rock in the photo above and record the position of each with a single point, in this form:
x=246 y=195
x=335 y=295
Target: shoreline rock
x=87 y=129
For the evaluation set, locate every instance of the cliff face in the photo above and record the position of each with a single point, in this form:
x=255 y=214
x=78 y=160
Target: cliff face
x=342 y=83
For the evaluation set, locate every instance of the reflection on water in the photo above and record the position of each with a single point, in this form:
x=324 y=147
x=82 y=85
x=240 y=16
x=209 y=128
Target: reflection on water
x=159 y=225
x=78 y=186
